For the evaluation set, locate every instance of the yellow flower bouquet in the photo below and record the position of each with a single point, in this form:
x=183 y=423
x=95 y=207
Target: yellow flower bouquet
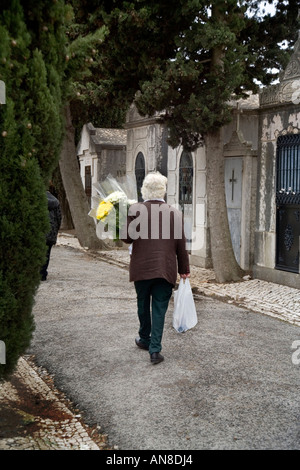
x=103 y=209
x=112 y=203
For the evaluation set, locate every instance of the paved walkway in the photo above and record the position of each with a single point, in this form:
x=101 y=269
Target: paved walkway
x=272 y=299
x=60 y=426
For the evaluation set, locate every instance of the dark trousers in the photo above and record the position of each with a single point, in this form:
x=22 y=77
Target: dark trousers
x=44 y=270
x=152 y=325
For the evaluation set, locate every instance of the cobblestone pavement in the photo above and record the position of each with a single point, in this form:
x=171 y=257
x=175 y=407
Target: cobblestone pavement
x=42 y=417
x=36 y=416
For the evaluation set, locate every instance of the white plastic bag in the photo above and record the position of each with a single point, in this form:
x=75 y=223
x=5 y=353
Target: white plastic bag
x=184 y=315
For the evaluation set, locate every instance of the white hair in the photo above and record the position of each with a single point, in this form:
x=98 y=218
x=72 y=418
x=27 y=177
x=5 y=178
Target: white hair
x=154 y=186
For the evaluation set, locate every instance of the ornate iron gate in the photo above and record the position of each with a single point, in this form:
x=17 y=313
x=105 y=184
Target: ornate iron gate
x=288 y=203
x=185 y=180
x=186 y=193
x=88 y=183
x=139 y=173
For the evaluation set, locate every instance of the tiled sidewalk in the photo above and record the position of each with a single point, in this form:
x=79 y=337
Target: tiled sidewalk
x=259 y=296
x=34 y=416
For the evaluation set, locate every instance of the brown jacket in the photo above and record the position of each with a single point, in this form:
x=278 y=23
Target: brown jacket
x=156 y=232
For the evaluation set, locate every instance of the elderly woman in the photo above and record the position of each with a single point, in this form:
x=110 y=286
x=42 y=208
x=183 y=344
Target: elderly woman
x=156 y=232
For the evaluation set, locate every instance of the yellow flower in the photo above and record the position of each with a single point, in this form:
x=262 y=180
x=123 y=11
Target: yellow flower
x=103 y=210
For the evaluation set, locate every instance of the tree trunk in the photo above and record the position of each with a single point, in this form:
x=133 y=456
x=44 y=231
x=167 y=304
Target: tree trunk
x=225 y=265
x=84 y=224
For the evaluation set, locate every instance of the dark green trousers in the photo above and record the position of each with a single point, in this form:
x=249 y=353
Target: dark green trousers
x=153 y=293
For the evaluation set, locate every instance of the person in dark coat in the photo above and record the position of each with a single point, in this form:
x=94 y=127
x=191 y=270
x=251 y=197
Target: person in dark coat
x=156 y=232
x=51 y=237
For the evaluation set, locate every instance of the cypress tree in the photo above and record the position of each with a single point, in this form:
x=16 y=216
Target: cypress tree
x=30 y=139
x=23 y=223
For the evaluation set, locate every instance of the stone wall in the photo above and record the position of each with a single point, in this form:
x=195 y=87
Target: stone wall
x=148 y=136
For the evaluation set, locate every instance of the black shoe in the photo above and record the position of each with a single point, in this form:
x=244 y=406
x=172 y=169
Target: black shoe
x=140 y=344
x=156 y=358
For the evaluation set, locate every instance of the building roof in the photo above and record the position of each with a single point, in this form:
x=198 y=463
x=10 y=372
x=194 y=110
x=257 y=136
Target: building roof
x=109 y=136
x=252 y=102
x=97 y=139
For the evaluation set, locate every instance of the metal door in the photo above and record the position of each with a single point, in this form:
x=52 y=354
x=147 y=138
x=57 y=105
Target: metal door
x=288 y=203
x=88 y=183
x=139 y=173
x=186 y=193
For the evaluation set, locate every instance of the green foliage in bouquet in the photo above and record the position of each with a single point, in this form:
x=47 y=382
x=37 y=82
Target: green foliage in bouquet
x=111 y=206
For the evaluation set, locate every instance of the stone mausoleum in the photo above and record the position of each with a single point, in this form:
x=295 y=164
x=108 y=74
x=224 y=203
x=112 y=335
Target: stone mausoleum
x=100 y=152
x=262 y=175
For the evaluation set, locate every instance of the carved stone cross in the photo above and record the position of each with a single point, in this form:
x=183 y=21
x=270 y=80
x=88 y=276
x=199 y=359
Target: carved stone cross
x=232 y=180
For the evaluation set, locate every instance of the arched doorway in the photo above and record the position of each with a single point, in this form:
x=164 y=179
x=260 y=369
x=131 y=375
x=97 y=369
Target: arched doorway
x=139 y=173
x=186 y=192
